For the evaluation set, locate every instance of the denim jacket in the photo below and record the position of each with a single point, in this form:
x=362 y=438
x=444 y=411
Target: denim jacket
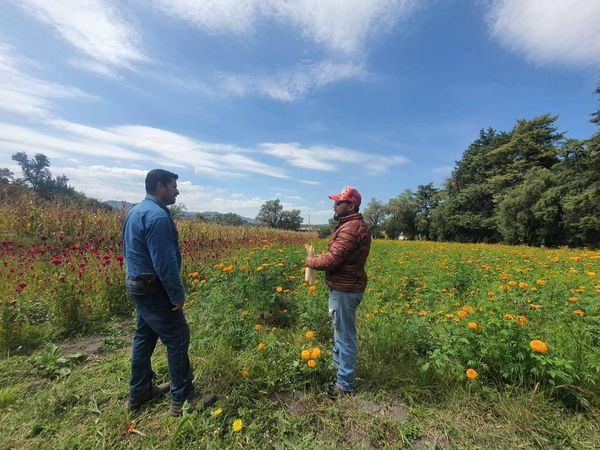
x=151 y=245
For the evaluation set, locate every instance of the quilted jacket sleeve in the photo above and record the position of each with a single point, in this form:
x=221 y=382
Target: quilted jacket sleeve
x=346 y=241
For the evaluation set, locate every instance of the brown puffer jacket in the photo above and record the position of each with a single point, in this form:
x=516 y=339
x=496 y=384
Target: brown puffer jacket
x=346 y=255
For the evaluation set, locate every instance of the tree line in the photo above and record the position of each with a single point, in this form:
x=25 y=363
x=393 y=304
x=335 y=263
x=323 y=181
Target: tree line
x=529 y=185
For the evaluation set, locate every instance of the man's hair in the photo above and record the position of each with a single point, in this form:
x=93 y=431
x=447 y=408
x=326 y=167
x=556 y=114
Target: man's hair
x=156 y=175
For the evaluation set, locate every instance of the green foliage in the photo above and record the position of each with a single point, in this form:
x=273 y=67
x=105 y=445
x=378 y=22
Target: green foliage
x=51 y=363
x=36 y=173
x=272 y=214
x=375 y=214
x=402 y=216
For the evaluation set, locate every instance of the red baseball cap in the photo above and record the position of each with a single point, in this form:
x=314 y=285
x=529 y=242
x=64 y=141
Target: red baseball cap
x=348 y=194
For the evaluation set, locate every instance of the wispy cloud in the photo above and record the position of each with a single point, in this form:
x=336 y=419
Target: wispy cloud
x=565 y=32
x=49 y=143
x=338 y=25
x=95 y=28
x=146 y=145
x=23 y=94
x=326 y=158
x=340 y=28
x=343 y=25
x=294 y=83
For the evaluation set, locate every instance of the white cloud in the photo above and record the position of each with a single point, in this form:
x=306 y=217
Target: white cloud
x=26 y=95
x=550 y=31
x=343 y=25
x=338 y=25
x=294 y=83
x=49 y=144
x=310 y=182
x=106 y=183
x=203 y=157
x=94 y=27
x=328 y=158
x=138 y=143
x=230 y=16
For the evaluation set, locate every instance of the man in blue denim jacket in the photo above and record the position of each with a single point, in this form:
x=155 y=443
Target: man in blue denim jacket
x=153 y=262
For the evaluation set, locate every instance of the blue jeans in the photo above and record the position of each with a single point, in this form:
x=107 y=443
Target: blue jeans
x=155 y=319
x=342 y=309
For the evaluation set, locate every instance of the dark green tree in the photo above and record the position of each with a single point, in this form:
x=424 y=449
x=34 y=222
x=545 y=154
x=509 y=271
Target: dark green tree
x=6 y=176
x=35 y=170
x=231 y=219
x=290 y=220
x=375 y=214
x=402 y=216
x=270 y=213
x=530 y=212
x=427 y=198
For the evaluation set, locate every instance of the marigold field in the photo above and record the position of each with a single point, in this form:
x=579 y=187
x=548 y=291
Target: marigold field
x=479 y=346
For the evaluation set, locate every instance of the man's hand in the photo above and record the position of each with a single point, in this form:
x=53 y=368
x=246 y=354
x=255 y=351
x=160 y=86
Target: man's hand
x=179 y=306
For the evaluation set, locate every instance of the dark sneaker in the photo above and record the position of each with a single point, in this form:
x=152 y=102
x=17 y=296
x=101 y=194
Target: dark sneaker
x=152 y=393
x=194 y=401
x=334 y=391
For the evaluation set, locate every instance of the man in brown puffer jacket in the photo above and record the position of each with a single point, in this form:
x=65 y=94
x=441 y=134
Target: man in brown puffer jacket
x=344 y=266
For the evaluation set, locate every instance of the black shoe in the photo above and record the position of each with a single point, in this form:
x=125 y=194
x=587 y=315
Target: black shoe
x=194 y=401
x=152 y=393
x=334 y=391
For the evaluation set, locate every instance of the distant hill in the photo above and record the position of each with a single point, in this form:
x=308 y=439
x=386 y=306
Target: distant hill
x=118 y=204
x=211 y=216
x=214 y=216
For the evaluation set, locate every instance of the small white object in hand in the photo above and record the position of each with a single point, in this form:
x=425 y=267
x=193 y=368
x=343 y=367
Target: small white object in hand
x=310 y=274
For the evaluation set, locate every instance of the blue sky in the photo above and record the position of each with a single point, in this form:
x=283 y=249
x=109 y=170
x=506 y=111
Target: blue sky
x=254 y=100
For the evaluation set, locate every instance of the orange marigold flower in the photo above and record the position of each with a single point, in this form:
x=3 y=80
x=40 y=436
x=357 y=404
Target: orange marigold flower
x=228 y=268
x=467 y=308
x=410 y=312
x=368 y=315
x=504 y=276
x=258 y=327
x=311 y=363
x=203 y=282
x=540 y=282
x=472 y=374
x=279 y=288
x=509 y=316
x=219 y=265
x=503 y=287
x=305 y=354
x=523 y=285
x=315 y=353
x=243 y=268
x=449 y=316
x=472 y=325
x=312 y=289
x=261 y=345
x=572 y=299
x=309 y=334
x=538 y=346
x=462 y=313
x=422 y=313
x=244 y=372
x=535 y=306
x=522 y=320
x=578 y=312
x=512 y=283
